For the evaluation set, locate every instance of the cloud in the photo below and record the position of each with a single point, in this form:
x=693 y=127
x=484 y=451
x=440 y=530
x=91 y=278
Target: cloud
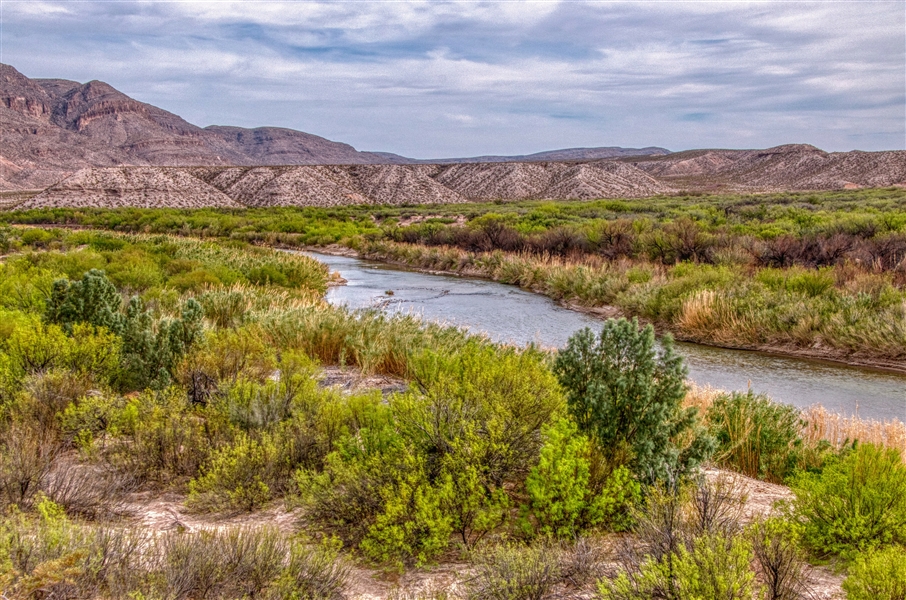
x=433 y=79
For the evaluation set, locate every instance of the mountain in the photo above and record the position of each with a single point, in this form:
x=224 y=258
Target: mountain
x=87 y=144
x=789 y=167
x=50 y=128
x=566 y=154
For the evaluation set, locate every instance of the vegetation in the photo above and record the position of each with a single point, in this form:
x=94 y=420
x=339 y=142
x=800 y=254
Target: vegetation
x=856 y=503
x=820 y=273
x=627 y=397
x=137 y=364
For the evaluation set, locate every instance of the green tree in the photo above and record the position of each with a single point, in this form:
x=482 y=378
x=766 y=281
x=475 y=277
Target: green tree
x=878 y=575
x=151 y=350
x=627 y=397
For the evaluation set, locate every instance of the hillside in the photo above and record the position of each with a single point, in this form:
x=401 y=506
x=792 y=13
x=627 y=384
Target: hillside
x=333 y=185
x=51 y=128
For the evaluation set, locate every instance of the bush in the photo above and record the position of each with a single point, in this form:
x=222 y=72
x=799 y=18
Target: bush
x=877 y=575
x=513 y=572
x=244 y=475
x=627 y=397
x=856 y=503
x=312 y=573
x=570 y=490
x=715 y=567
x=776 y=543
x=756 y=436
x=477 y=420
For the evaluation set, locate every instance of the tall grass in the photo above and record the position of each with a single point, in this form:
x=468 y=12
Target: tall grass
x=747 y=307
x=819 y=426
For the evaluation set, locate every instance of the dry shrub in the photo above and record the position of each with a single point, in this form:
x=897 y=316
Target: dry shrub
x=28 y=453
x=583 y=561
x=717 y=506
x=49 y=393
x=89 y=491
x=779 y=560
x=515 y=572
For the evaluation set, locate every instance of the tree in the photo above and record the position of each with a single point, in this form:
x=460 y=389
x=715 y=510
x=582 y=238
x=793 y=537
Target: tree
x=627 y=397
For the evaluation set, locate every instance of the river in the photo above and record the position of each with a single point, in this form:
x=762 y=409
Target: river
x=508 y=314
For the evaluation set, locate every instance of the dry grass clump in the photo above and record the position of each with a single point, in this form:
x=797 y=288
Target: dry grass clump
x=839 y=430
x=820 y=424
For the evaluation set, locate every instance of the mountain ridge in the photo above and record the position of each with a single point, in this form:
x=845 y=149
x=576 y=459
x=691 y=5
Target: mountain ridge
x=88 y=144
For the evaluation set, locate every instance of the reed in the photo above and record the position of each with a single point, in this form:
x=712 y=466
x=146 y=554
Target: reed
x=821 y=425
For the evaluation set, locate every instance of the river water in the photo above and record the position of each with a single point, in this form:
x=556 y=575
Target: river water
x=508 y=314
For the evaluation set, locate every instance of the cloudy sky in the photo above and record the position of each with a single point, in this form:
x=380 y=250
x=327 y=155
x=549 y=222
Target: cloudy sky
x=436 y=79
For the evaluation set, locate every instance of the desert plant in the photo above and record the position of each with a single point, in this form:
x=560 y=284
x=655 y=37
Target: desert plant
x=243 y=475
x=877 y=575
x=779 y=560
x=756 y=436
x=514 y=572
x=856 y=503
x=628 y=397
x=27 y=455
x=312 y=573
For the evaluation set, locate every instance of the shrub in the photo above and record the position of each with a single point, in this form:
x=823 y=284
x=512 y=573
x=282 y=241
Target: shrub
x=225 y=563
x=27 y=455
x=477 y=420
x=569 y=489
x=93 y=300
x=628 y=397
x=412 y=523
x=756 y=436
x=877 y=575
x=312 y=573
x=243 y=475
x=856 y=503
x=514 y=572
x=776 y=544
x=715 y=567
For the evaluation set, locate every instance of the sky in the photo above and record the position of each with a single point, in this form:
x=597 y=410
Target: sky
x=451 y=79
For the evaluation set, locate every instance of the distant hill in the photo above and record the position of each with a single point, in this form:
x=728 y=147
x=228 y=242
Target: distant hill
x=51 y=128
x=87 y=144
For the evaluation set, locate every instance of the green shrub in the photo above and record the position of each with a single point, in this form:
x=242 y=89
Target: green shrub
x=412 y=522
x=477 y=418
x=756 y=436
x=877 y=575
x=715 y=567
x=93 y=300
x=569 y=489
x=161 y=437
x=244 y=475
x=627 y=397
x=856 y=503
